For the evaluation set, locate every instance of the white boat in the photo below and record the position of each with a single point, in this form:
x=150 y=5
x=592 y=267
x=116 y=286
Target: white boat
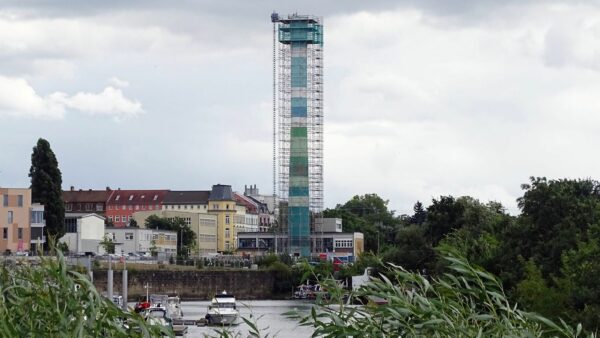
x=222 y=310
x=157 y=314
x=174 y=307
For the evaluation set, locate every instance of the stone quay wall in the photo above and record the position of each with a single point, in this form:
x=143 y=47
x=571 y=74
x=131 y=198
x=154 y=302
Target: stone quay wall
x=190 y=285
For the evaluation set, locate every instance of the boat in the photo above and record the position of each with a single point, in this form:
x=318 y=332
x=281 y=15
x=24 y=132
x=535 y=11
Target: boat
x=174 y=307
x=222 y=310
x=157 y=314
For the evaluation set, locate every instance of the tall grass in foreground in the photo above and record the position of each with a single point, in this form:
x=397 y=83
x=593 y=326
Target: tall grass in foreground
x=48 y=300
x=464 y=302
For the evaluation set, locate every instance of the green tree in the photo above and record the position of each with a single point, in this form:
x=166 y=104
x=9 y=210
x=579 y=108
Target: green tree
x=420 y=215
x=133 y=223
x=46 y=187
x=186 y=237
x=108 y=245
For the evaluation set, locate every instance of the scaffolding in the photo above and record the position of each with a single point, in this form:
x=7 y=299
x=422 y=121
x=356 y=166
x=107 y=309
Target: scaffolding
x=298 y=64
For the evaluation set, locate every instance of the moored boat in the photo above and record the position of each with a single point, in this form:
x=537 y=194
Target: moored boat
x=222 y=310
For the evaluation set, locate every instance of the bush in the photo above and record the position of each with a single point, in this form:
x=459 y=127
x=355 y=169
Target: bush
x=48 y=300
x=464 y=302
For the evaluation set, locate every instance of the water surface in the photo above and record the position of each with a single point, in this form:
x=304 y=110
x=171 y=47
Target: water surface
x=268 y=313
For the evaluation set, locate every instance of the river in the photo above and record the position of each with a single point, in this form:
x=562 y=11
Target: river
x=268 y=313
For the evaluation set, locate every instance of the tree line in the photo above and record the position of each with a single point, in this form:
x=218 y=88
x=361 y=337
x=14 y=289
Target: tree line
x=547 y=257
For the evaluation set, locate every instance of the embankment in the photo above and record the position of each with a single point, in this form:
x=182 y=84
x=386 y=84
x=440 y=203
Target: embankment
x=191 y=285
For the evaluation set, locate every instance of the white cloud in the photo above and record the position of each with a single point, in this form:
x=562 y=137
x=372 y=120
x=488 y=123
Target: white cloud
x=109 y=102
x=19 y=99
x=115 y=81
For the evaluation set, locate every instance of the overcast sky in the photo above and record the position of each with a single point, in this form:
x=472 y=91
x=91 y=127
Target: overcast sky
x=422 y=98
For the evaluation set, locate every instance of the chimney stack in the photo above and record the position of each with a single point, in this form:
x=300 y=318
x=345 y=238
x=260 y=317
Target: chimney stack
x=72 y=188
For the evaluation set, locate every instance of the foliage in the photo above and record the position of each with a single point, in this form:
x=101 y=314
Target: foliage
x=46 y=187
x=108 y=245
x=133 y=223
x=186 y=237
x=463 y=302
x=370 y=215
x=48 y=300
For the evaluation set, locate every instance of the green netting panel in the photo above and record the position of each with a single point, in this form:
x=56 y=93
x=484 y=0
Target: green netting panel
x=299 y=191
x=298 y=181
x=299 y=132
x=298 y=102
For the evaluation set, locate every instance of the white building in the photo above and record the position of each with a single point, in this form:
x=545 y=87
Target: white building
x=84 y=232
x=129 y=239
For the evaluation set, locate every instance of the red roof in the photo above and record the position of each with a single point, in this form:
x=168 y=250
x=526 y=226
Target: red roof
x=133 y=197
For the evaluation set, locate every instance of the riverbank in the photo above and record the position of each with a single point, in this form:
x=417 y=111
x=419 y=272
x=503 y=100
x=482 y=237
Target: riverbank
x=192 y=285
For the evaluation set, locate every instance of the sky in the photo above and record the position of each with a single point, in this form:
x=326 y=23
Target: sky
x=422 y=98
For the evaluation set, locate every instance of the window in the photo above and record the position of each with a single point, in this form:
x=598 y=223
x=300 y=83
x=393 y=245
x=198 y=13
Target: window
x=117 y=198
x=130 y=197
x=4 y=233
x=124 y=207
x=215 y=206
x=10 y=217
x=99 y=207
x=130 y=207
x=68 y=207
x=71 y=225
x=20 y=233
x=88 y=207
x=185 y=206
x=179 y=207
x=20 y=200
x=5 y=200
x=129 y=236
x=227 y=233
x=110 y=218
x=137 y=207
x=226 y=245
x=227 y=219
x=110 y=207
x=117 y=218
x=155 y=197
x=37 y=217
x=227 y=206
x=129 y=218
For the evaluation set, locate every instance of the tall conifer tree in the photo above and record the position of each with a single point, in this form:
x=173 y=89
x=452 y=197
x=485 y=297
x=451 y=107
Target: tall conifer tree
x=46 y=187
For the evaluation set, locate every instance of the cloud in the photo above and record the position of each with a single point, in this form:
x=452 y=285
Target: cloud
x=19 y=99
x=118 y=82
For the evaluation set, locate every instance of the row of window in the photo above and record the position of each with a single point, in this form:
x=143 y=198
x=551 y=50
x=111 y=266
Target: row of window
x=207 y=238
x=19 y=200
x=187 y=220
x=120 y=219
x=86 y=206
x=134 y=207
x=208 y=222
x=5 y=233
x=131 y=197
x=343 y=243
x=185 y=206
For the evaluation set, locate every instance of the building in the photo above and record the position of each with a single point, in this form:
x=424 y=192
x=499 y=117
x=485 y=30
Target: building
x=221 y=203
x=328 y=225
x=86 y=201
x=265 y=207
x=15 y=219
x=204 y=225
x=83 y=232
x=299 y=87
x=38 y=238
x=129 y=239
x=121 y=204
x=188 y=200
x=333 y=244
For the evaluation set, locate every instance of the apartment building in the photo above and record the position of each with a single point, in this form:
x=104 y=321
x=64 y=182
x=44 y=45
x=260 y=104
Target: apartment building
x=15 y=219
x=121 y=204
x=202 y=224
x=86 y=201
